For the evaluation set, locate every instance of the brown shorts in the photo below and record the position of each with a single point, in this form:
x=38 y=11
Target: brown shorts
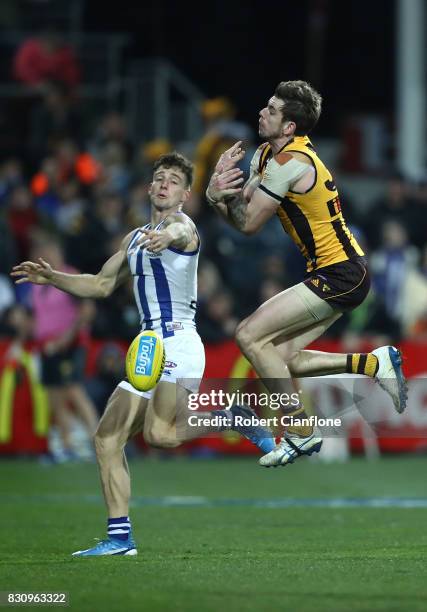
x=343 y=285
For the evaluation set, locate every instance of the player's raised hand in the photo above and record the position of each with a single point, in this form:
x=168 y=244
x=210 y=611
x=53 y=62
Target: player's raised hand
x=230 y=158
x=224 y=184
x=39 y=273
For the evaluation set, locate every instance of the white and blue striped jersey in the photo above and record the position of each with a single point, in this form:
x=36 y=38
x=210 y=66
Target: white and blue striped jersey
x=164 y=285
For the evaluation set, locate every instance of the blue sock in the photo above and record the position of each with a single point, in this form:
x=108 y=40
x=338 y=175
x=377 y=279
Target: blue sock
x=119 y=528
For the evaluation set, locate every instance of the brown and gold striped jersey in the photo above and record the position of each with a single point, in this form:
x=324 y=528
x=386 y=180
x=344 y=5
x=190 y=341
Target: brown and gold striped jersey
x=313 y=219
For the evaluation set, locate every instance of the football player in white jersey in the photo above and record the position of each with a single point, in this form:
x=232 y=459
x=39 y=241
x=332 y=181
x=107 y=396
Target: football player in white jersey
x=162 y=259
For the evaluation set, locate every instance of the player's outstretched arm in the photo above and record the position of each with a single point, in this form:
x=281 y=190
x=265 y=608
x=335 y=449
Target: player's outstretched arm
x=100 y=285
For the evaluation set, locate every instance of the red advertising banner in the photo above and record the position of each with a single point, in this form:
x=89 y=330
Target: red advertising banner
x=24 y=418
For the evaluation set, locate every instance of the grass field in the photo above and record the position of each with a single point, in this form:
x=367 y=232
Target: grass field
x=224 y=534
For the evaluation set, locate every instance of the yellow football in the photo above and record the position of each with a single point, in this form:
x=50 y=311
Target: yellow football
x=145 y=360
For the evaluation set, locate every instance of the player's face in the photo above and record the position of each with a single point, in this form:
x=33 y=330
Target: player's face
x=271 y=120
x=169 y=188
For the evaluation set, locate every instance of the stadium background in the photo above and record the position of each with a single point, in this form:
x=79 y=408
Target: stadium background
x=75 y=160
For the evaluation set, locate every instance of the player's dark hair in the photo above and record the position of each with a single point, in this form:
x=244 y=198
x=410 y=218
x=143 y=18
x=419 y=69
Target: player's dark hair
x=176 y=160
x=302 y=104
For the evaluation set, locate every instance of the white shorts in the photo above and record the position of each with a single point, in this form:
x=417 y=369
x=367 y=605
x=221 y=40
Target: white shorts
x=185 y=362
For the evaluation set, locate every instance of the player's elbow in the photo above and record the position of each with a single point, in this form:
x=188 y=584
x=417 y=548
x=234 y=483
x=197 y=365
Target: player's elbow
x=103 y=287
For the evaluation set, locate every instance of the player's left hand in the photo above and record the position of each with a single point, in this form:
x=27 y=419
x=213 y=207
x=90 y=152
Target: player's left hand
x=230 y=158
x=155 y=240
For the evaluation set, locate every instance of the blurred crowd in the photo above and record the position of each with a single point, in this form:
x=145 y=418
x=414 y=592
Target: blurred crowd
x=72 y=185
x=74 y=188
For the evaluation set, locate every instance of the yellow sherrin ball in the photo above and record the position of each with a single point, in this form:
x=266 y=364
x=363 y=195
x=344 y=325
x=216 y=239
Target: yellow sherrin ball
x=145 y=360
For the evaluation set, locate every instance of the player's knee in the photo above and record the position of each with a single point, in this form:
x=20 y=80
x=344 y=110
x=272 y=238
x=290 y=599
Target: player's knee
x=106 y=446
x=288 y=354
x=244 y=336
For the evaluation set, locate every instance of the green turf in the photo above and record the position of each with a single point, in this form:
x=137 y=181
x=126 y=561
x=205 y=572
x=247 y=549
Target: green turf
x=226 y=557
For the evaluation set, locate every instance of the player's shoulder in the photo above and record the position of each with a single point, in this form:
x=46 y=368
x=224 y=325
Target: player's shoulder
x=128 y=238
x=179 y=217
x=285 y=157
x=258 y=155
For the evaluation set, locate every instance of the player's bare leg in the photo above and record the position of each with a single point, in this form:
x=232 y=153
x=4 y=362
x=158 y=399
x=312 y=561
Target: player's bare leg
x=123 y=417
x=284 y=321
x=169 y=423
x=273 y=339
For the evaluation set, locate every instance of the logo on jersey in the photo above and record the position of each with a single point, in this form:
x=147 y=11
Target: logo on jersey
x=170 y=364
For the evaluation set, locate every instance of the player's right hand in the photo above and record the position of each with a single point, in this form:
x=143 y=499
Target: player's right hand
x=228 y=183
x=31 y=272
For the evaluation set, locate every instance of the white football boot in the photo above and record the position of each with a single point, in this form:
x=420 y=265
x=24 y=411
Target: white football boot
x=290 y=448
x=390 y=375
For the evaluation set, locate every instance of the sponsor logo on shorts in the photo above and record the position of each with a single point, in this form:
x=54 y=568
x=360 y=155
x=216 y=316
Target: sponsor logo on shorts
x=315 y=281
x=173 y=325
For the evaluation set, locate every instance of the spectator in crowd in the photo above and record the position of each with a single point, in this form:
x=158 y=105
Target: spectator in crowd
x=16 y=323
x=109 y=372
x=221 y=131
x=55 y=117
x=112 y=130
x=44 y=58
x=92 y=193
x=370 y=323
x=11 y=176
x=89 y=247
x=71 y=206
x=60 y=323
x=117 y=316
x=392 y=265
x=397 y=204
x=208 y=280
x=138 y=209
x=216 y=321
x=115 y=166
x=44 y=187
x=22 y=217
x=232 y=250
x=147 y=154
